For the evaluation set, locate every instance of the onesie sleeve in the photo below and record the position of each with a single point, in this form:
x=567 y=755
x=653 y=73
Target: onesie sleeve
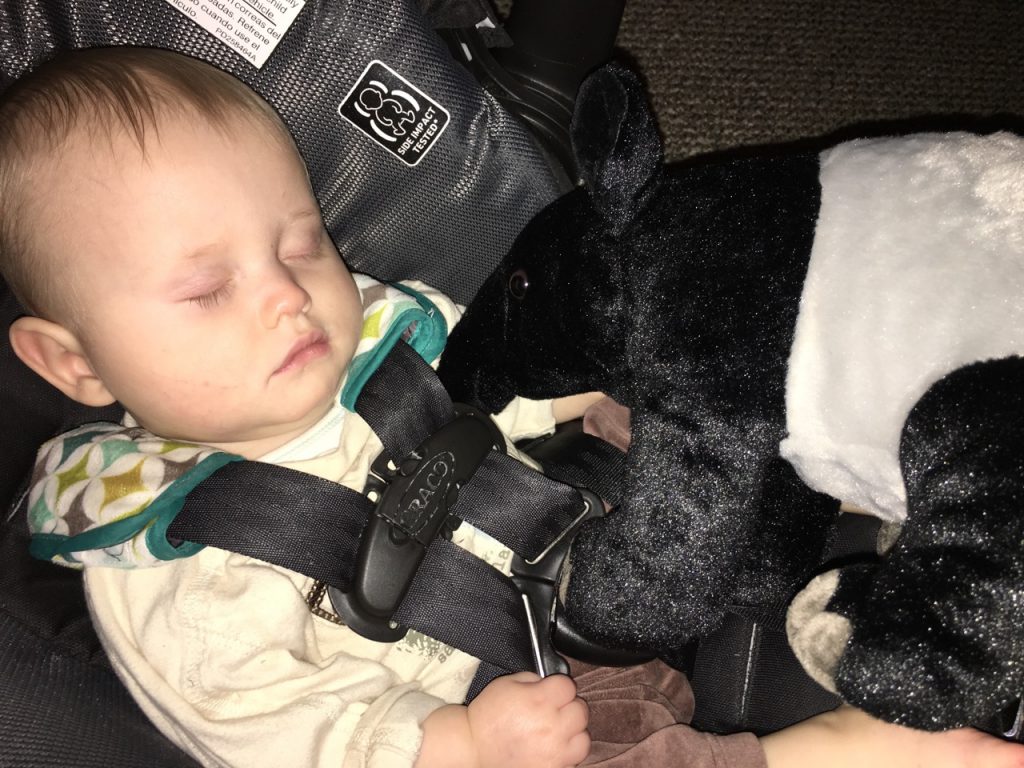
x=228 y=661
x=526 y=418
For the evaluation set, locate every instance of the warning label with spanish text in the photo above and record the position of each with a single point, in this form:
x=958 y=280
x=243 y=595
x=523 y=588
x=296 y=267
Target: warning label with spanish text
x=252 y=28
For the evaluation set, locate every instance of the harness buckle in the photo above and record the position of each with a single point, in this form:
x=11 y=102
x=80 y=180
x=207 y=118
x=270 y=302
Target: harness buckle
x=413 y=500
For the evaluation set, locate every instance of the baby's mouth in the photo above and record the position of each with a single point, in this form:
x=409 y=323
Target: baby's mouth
x=310 y=346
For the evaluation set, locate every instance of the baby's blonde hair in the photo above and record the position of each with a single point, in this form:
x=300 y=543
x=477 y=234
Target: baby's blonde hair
x=106 y=91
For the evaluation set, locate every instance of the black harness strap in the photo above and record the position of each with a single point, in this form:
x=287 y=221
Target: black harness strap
x=319 y=528
x=404 y=402
x=461 y=600
x=277 y=515
x=585 y=461
x=517 y=505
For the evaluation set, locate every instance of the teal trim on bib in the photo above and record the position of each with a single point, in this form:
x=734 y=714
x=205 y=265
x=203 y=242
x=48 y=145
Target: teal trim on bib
x=428 y=337
x=170 y=502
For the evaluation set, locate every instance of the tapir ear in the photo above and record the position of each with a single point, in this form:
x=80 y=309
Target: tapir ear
x=616 y=142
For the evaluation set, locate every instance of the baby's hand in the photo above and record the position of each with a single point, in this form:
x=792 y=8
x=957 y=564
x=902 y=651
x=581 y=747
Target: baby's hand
x=523 y=721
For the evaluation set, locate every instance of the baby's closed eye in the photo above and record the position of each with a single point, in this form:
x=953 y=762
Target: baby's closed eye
x=212 y=298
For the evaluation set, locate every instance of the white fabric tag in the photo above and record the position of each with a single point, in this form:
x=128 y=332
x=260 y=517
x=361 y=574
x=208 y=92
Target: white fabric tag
x=251 y=28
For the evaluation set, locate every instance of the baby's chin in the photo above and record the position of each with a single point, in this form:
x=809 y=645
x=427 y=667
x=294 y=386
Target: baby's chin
x=256 y=441
x=265 y=425
x=256 y=447
x=278 y=434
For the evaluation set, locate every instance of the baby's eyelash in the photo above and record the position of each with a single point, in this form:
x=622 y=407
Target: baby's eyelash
x=310 y=254
x=213 y=298
x=313 y=251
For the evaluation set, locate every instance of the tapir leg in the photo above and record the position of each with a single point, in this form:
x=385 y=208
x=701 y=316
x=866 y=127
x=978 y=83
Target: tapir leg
x=660 y=569
x=934 y=635
x=795 y=528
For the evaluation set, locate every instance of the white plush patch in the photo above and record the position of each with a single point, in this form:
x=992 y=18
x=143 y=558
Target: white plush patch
x=917 y=269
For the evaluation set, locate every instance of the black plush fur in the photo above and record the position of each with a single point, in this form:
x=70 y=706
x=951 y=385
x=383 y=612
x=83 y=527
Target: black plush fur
x=677 y=295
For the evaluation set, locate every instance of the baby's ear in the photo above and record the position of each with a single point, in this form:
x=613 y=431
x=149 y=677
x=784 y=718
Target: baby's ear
x=54 y=352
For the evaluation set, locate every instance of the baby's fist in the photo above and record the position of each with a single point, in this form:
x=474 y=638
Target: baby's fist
x=524 y=721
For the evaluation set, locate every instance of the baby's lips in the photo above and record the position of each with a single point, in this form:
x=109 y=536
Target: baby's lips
x=307 y=347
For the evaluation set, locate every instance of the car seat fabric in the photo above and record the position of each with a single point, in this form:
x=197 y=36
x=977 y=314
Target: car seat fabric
x=62 y=703
x=105 y=728
x=444 y=213
x=355 y=81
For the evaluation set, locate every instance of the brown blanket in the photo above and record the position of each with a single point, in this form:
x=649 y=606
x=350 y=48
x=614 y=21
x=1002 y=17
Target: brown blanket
x=639 y=716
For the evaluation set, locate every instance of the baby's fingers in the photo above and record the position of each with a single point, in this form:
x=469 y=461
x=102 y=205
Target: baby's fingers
x=968 y=748
x=573 y=719
x=559 y=690
x=996 y=753
x=575 y=715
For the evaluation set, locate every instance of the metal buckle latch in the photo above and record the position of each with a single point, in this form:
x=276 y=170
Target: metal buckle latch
x=550 y=632
x=537 y=580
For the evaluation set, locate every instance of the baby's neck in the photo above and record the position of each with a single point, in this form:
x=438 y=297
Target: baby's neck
x=258 y=448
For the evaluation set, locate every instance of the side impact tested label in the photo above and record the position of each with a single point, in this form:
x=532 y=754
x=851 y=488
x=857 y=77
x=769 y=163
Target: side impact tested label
x=394 y=113
x=252 y=28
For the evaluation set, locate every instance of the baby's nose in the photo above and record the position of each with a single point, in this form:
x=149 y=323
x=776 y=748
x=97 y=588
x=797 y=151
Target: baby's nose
x=284 y=298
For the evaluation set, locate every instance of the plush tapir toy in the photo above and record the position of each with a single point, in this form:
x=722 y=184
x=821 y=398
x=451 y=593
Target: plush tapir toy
x=856 y=316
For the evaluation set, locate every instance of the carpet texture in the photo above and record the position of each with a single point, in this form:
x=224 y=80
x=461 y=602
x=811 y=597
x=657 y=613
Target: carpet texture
x=741 y=73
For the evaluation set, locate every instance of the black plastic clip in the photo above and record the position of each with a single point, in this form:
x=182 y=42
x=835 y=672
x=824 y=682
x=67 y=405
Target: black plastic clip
x=413 y=503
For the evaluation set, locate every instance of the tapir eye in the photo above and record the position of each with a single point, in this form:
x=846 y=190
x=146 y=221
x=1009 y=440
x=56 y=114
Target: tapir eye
x=518 y=284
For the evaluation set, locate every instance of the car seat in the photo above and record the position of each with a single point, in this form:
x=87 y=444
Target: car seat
x=722 y=74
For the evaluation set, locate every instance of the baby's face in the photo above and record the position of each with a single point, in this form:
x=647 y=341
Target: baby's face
x=216 y=308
